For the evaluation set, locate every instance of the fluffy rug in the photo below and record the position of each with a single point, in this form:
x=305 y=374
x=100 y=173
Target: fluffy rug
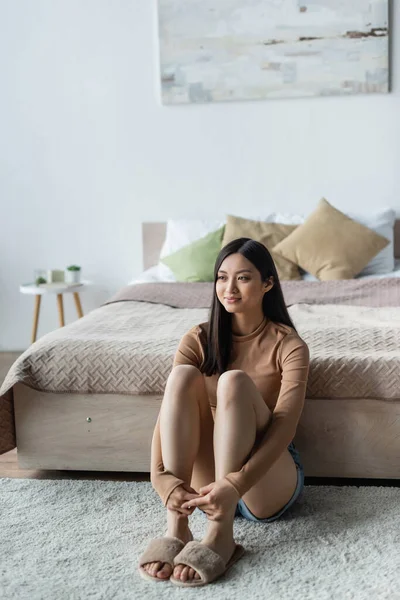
x=76 y=539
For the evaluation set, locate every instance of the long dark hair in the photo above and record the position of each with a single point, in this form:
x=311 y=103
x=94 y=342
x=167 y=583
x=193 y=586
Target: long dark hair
x=219 y=336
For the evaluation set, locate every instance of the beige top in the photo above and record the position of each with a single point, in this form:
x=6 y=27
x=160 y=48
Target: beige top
x=277 y=360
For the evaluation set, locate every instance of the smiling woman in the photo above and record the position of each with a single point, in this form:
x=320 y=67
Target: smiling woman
x=223 y=438
x=240 y=290
x=247 y=289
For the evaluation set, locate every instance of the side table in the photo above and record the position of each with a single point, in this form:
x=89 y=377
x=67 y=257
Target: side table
x=53 y=288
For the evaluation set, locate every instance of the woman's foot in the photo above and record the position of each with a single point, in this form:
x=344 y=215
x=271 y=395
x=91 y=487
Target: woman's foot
x=219 y=538
x=177 y=526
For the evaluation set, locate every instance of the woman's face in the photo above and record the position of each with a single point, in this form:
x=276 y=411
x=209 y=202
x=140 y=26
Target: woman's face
x=239 y=287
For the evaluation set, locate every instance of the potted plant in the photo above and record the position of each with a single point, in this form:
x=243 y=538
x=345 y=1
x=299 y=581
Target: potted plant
x=39 y=276
x=72 y=274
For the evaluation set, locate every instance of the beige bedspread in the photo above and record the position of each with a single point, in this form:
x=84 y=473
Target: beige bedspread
x=127 y=347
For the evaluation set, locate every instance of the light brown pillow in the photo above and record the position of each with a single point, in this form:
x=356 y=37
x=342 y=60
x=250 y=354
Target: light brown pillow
x=330 y=245
x=268 y=234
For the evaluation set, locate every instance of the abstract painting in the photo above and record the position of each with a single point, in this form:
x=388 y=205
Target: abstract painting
x=219 y=50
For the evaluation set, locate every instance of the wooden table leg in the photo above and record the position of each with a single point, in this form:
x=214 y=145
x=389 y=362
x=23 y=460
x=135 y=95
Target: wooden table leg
x=60 y=309
x=78 y=304
x=38 y=297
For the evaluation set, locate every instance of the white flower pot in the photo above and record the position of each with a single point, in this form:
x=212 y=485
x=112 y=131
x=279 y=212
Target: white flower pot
x=72 y=276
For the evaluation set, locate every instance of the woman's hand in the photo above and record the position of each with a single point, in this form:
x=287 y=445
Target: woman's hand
x=179 y=495
x=217 y=499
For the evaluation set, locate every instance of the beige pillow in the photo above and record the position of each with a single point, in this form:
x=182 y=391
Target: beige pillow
x=330 y=245
x=268 y=234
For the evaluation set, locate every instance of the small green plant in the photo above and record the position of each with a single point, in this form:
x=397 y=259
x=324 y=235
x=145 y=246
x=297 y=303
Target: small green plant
x=40 y=280
x=73 y=268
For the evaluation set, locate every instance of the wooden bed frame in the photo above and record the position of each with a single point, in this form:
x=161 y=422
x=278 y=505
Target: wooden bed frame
x=357 y=438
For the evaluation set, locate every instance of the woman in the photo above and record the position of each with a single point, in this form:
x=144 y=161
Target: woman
x=230 y=411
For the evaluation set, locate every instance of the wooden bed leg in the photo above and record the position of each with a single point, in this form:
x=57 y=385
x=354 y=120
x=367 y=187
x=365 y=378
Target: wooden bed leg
x=38 y=298
x=78 y=305
x=60 y=309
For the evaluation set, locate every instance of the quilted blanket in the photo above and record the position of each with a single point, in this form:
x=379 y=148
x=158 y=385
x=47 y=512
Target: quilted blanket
x=127 y=345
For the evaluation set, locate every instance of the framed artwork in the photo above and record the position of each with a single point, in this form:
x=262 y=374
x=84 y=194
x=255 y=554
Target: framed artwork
x=212 y=51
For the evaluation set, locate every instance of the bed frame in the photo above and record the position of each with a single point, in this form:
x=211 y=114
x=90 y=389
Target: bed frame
x=358 y=438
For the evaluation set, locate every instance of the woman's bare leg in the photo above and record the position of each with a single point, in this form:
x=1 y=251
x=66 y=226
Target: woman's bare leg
x=240 y=414
x=185 y=418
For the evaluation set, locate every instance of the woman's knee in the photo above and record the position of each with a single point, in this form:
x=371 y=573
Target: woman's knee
x=232 y=380
x=236 y=388
x=183 y=378
x=230 y=387
x=184 y=372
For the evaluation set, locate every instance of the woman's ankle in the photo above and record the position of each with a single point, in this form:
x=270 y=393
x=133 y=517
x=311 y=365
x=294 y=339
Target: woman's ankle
x=175 y=516
x=222 y=528
x=178 y=526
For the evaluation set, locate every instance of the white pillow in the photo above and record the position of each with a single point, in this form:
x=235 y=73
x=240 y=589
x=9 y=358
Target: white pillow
x=381 y=222
x=181 y=232
x=286 y=218
x=159 y=272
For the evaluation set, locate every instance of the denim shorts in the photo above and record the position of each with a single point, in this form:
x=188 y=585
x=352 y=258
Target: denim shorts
x=243 y=511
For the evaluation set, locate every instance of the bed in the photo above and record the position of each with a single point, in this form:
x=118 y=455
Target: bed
x=86 y=397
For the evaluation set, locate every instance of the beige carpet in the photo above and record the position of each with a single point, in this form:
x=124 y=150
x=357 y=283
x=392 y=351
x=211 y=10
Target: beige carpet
x=74 y=540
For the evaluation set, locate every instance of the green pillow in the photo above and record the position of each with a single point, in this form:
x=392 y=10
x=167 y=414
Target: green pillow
x=195 y=262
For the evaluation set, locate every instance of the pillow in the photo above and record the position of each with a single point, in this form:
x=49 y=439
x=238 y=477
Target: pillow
x=330 y=245
x=381 y=222
x=383 y=263
x=179 y=233
x=158 y=272
x=268 y=234
x=195 y=262
x=286 y=218
x=182 y=232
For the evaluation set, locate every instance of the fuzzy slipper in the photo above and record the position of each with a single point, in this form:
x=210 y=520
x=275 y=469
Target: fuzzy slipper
x=208 y=564
x=160 y=549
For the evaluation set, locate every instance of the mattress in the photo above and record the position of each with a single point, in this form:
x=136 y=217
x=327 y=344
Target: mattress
x=127 y=345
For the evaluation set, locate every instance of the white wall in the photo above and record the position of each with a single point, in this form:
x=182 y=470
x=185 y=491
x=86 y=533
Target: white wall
x=88 y=152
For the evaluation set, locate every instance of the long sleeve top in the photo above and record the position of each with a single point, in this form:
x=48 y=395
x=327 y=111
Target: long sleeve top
x=277 y=360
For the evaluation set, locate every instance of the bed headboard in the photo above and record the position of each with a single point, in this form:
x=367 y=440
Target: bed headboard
x=153 y=235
